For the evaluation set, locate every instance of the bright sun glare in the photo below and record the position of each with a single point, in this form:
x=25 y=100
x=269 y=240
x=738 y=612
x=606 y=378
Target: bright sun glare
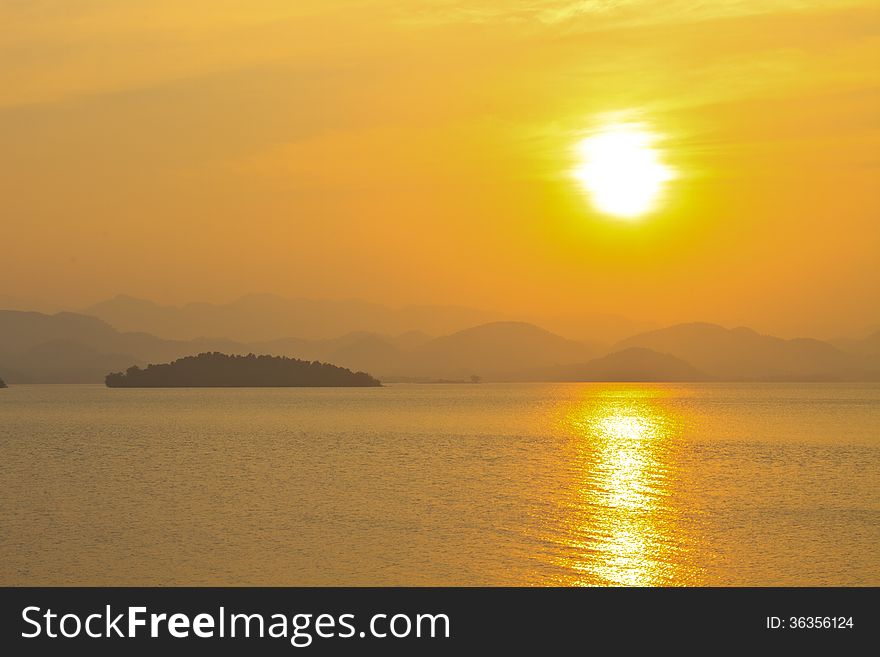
x=621 y=170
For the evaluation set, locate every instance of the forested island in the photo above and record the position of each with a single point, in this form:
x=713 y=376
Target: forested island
x=220 y=370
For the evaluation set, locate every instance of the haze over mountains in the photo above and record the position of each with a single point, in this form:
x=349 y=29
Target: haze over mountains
x=72 y=348
x=414 y=343
x=743 y=354
x=261 y=317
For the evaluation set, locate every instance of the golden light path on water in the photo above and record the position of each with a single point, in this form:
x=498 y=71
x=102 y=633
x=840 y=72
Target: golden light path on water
x=624 y=523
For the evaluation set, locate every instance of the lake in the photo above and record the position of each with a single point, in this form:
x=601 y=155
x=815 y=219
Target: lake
x=458 y=484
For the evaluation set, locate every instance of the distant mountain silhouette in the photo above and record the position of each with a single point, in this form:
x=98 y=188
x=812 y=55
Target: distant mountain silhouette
x=222 y=370
x=743 y=354
x=261 y=317
x=265 y=317
x=360 y=350
x=70 y=361
x=867 y=346
x=592 y=327
x=411 y=339
x=73 y=348
x=632 y=364
x=371 y=353
x=495 y=350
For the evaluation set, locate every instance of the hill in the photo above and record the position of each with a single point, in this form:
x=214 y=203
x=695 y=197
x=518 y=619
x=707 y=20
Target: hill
x=743 y=354
x=495 y=350
x=358 y=350
x=261 y=317
x=222 y=370
x=867 y=346
x=265 y=317
x=73 y=348
x=632 y=364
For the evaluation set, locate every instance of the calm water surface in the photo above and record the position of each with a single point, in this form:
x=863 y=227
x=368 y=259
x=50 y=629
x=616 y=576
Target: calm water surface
x=544 y=484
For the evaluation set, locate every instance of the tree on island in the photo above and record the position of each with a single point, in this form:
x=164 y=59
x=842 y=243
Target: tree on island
x=215 y=369
x=2 y=383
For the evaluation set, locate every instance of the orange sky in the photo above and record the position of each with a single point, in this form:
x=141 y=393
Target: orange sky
x=407 y=152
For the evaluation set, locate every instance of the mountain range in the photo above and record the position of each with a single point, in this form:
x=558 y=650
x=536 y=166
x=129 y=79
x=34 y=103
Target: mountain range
x=744 y=354
x=262 y=317
x=73 y=347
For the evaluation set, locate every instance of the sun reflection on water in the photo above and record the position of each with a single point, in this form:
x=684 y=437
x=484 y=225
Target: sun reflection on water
x=621 y=526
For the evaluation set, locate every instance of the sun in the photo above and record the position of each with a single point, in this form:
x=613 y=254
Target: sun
x=622 y=170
